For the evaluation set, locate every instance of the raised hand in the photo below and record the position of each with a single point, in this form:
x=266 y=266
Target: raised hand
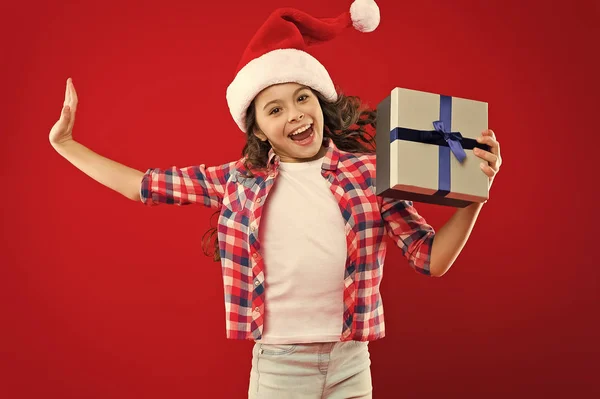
x=62 y=131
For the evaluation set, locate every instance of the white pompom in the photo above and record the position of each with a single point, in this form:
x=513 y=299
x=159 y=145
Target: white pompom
x=365 y=15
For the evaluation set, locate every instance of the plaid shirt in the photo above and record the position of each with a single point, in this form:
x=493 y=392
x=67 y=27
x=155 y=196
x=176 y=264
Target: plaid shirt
x=241 y=199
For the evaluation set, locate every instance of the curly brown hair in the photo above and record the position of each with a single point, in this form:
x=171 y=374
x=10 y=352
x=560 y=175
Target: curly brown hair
x=348 y=122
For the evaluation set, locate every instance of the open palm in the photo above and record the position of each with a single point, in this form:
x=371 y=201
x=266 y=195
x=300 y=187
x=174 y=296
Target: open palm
x=62 y=130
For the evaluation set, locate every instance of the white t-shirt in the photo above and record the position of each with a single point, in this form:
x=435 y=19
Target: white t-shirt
x=303 y=243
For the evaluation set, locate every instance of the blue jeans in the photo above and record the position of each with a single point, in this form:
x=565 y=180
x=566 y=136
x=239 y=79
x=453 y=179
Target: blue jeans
x=332 y=370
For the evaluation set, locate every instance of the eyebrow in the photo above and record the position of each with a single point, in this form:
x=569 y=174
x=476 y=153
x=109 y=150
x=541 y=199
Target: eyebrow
x=293 y=95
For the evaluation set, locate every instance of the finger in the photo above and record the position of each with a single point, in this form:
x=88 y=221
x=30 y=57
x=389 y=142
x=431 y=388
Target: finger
x=65 y=116
x=498 y=150
x=71 y=119
x=489 y=172
x=489 y=140
x=485 y=155
x=489 y=132
x=494 y=146
x=67 y=93
x=74 y=98
x=496 y=143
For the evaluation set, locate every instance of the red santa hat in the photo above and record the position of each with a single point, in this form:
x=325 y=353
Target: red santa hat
x=278 y=53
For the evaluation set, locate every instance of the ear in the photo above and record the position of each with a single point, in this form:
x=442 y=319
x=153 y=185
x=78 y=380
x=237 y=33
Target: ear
x=261 y=136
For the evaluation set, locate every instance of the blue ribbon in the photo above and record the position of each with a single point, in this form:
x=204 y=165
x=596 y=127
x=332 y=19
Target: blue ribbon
x=444 y=152
x=447 y=141
x=452 y=138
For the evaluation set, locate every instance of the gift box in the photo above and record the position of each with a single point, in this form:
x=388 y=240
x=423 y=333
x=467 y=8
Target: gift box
x=425 y=147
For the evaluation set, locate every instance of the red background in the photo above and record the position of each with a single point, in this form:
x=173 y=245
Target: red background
x=102 y=297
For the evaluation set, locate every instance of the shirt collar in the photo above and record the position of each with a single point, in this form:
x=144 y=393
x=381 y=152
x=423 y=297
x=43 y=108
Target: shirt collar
x=330 y=160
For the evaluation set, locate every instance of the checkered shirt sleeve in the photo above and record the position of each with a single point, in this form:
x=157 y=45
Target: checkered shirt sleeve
x=184 y=186
x=411 y=233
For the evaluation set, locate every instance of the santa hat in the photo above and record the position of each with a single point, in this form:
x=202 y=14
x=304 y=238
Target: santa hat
x=278 y=53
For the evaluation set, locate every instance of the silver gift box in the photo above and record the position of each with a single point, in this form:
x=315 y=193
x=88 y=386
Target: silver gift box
x=425 y=147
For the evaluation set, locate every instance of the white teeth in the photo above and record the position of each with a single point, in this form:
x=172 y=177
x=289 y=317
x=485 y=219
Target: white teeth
x=300 y=130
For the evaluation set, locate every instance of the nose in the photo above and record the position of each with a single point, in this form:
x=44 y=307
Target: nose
x=296 y=116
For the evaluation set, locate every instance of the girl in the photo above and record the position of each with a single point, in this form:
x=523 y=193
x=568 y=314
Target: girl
x=300 y=232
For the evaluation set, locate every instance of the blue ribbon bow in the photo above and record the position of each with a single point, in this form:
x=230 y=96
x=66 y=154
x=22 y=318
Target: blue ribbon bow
x=452 y=138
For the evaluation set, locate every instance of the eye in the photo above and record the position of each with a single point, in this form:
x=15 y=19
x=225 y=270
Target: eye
x=272 y=111
x=304 y=95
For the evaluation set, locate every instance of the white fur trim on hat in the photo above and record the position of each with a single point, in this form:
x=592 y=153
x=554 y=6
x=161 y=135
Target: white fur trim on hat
x=365 y=15
x=277 y=66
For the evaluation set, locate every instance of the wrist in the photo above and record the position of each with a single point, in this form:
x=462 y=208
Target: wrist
x=61 y=146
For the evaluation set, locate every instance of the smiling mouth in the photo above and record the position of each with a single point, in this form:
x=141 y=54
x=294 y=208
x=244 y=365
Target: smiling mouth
x=304 y=134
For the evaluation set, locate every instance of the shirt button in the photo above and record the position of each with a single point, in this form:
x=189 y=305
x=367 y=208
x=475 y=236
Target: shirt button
x=257 y=283
x=257 y=309
x=255 y=255
x=258 y=200
x=253 y=229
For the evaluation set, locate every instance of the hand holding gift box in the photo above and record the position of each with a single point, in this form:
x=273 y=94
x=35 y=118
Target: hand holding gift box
x=428 y=149
x=492 y=157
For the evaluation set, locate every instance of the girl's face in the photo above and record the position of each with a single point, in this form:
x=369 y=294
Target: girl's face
x=290 y=117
